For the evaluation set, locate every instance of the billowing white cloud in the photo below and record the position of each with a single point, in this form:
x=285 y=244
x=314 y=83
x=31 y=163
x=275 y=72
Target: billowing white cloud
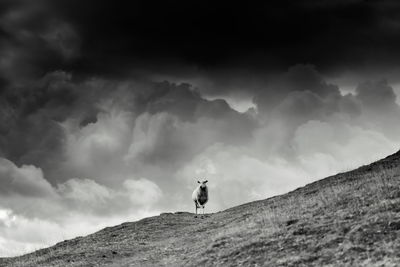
x=143 y=192
x=35 y=214
x=26 y=181
x=324 y=148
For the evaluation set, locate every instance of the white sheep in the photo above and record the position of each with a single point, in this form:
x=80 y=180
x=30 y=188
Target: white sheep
x=200 y=195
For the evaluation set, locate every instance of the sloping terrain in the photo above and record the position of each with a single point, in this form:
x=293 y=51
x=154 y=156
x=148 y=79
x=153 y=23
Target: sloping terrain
x=350 y=219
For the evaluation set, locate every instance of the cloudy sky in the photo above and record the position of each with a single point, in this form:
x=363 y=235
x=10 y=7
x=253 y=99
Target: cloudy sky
x=111 y=111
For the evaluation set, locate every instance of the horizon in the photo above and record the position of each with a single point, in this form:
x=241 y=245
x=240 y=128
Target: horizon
x=111 y=111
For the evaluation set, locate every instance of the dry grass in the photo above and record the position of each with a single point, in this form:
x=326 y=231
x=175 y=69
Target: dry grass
x=351 y=219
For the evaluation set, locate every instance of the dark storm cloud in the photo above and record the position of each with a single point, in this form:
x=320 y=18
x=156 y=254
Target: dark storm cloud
x=297 y=78
x=33 y=118
x=118 y=37
x=33 y=41
x=30 y=116
x=377 y=95
x=379 y=106
x=211 y=34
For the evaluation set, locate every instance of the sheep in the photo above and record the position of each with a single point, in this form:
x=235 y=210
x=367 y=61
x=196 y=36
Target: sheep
x=200 y=195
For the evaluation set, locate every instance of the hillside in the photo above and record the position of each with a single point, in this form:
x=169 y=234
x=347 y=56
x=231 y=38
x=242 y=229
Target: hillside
x=350 y=219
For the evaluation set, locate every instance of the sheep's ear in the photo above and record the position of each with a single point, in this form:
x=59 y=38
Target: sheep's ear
x=198 y=182
x=205 y=181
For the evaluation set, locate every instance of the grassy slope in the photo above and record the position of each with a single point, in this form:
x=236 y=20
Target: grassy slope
x=350 y=219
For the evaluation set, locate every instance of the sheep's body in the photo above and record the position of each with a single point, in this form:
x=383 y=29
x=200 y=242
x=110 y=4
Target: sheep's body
x=200 y=196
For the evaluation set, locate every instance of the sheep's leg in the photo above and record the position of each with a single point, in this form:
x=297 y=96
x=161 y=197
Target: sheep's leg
x=195 y=205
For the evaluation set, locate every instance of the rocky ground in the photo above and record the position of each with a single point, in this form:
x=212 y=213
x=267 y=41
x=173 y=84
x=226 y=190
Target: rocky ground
x=350 y=219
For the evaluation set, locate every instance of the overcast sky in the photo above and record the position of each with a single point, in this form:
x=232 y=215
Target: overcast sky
x=111 y=111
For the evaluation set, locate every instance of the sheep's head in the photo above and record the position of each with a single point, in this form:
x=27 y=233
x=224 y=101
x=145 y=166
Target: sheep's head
x=203 y=184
